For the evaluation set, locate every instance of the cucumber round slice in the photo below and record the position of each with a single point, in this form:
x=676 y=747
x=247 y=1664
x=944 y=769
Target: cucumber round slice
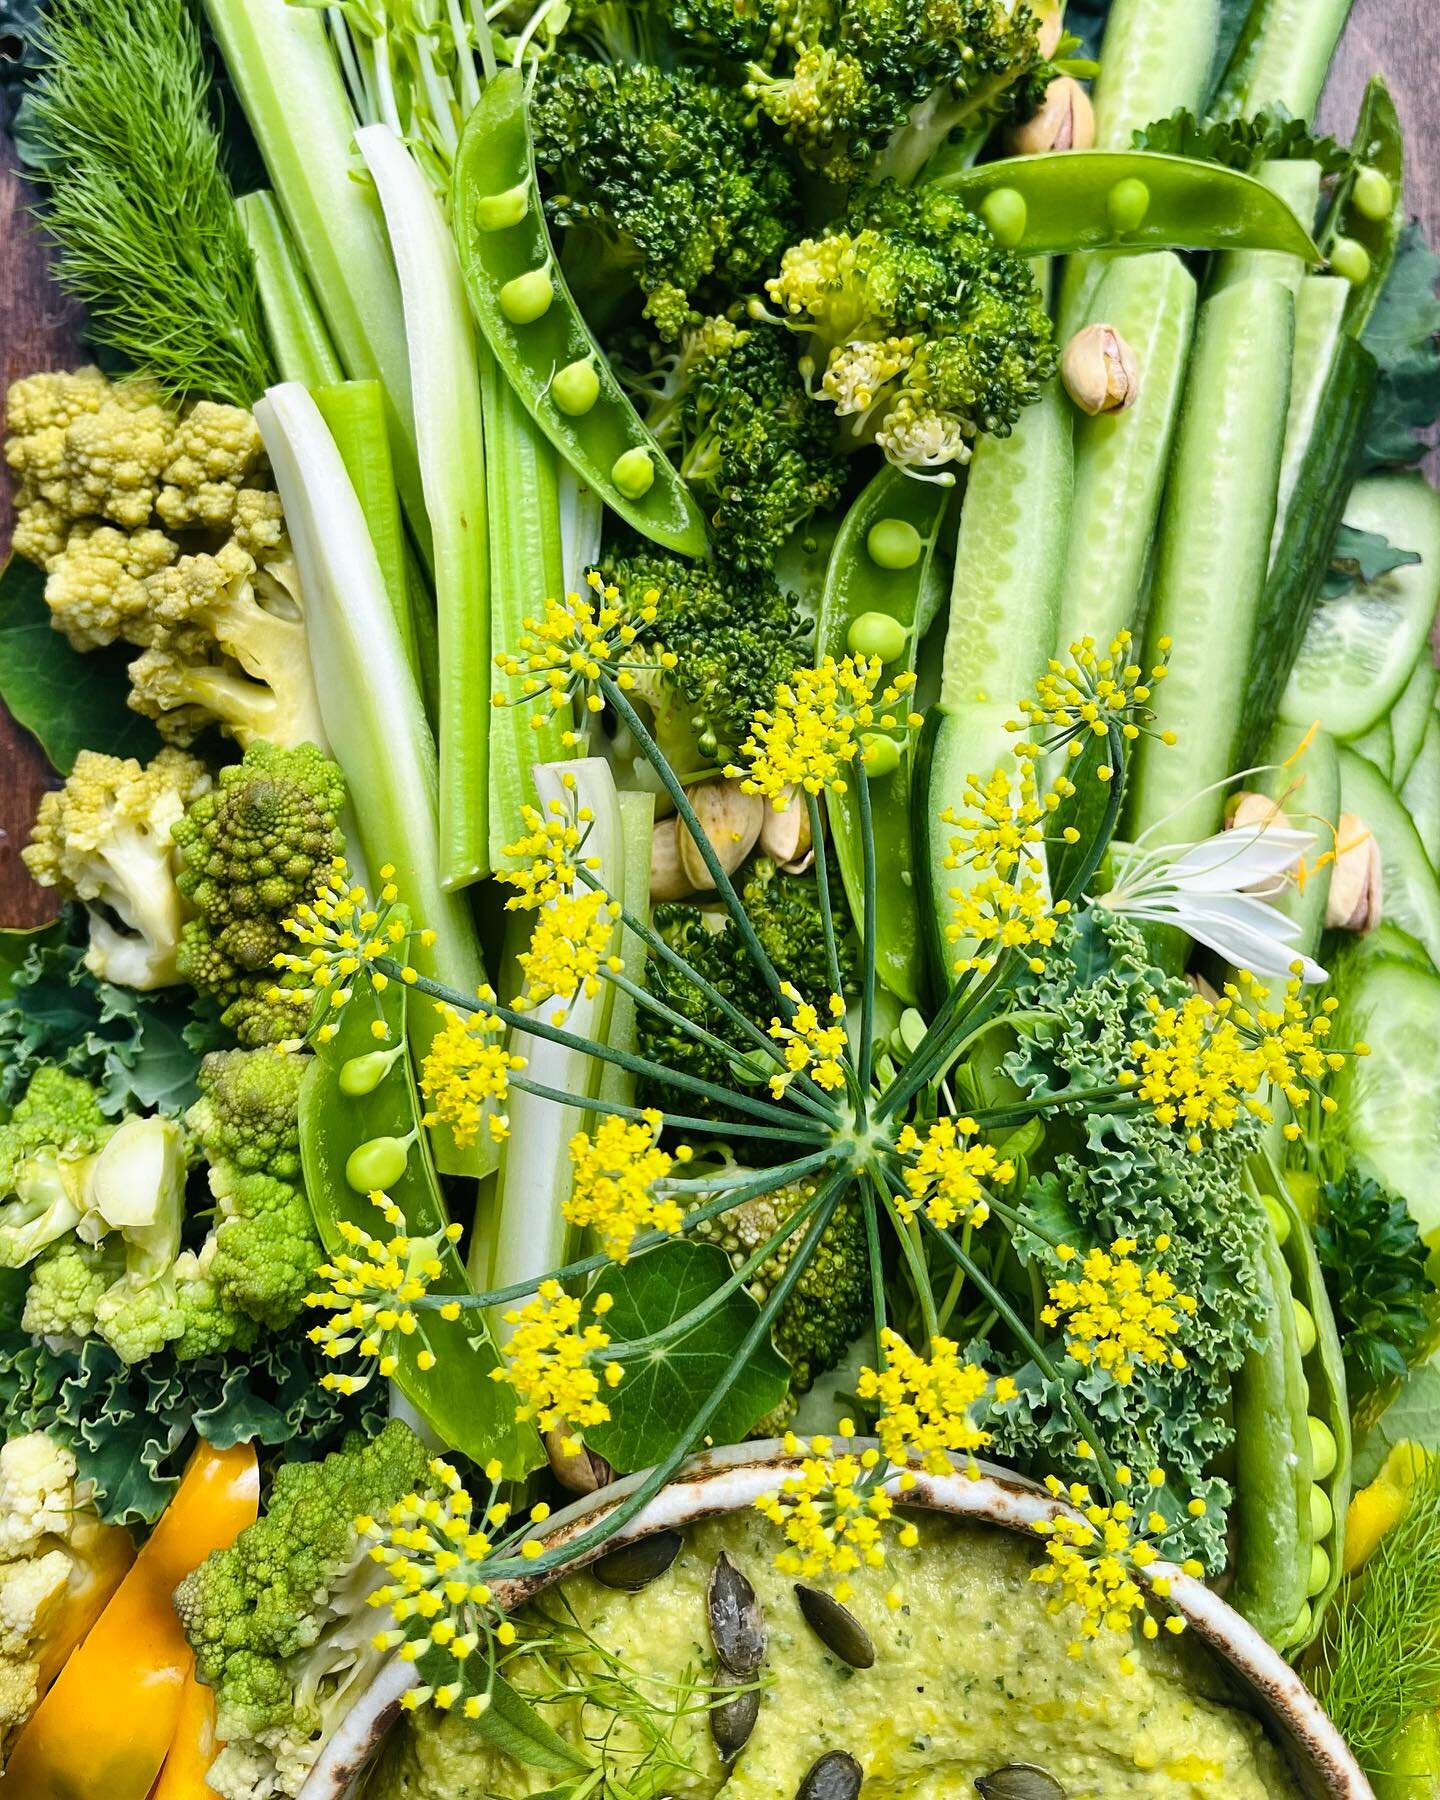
x=1360 y=650
x=1411 y=894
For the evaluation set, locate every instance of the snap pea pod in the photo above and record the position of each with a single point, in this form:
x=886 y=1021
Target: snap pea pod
x=1274 y=1460
x=456 y=1397
x=1329 y=1402
x=1130 y=200
x=1298 y=185
x=1360 y=218
x=876 y=574
x=539 y=338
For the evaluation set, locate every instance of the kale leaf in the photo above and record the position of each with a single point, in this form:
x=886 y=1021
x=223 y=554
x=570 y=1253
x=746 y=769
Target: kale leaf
x=1374 y=1260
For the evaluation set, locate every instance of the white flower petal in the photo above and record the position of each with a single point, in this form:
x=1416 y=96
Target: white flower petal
x=1235 y=860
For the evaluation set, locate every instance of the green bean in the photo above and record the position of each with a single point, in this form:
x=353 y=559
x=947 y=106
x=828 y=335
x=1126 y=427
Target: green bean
x=538 y=336
x=1076 y=200
x=866 y=592
x=1273 y=1461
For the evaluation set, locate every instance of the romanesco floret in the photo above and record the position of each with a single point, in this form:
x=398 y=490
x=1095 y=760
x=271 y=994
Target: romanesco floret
x=88 y=448
x=735 y=636
x=266 y=1246
x=211 y=1324
x=216 y=454
x=923 y=331
x=248 y=1111
x=830 y=1303
x=730 y=406
x=96 y=589
x=58 y=1115
x=253 y=848
x=661 y=177
x=278 y=1622
x=65 y=1289
x=105 y=839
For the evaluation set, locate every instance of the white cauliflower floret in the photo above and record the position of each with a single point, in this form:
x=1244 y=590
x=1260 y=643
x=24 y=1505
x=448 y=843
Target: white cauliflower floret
x=37 y=1493
x=28 y=1591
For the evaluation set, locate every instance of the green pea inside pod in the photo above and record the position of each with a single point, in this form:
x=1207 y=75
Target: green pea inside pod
x=378 y=1163
x=1319 y=1570
x=633 y=472
x=881 y=754
x=1324 y=1451
x=1373 y=196
x=527 y=297
x=1127 y=204
x=497 y=212
x=894 y=544
x=1005 y=212
x=877 y=634
x=576 y=387
x=361 y=1075
x=1304 y=1328
x=1279 y=1218
x=1350 y=260
x=1322 y=1512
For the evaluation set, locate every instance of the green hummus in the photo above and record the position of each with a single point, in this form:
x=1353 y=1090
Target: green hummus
x=970 y=1674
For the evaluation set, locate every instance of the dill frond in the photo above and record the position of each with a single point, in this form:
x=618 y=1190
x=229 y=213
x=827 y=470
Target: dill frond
x=118 y=129
x=1379 y=1661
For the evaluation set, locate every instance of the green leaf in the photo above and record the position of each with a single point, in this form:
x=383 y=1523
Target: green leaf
x=1244 y=143
x=68 y=701
x=1404 y=336
x=1414 y=1413
x=459 y=1398
x=1360 y=558
x=671 y=1381
x=513 y=1726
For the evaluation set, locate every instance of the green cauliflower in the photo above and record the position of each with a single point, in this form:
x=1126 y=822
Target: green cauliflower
x=212 y=1323
x=65 y=1289
x=248 y=1111
x=252 y=850
x=278 y=1622
x=266 y=1247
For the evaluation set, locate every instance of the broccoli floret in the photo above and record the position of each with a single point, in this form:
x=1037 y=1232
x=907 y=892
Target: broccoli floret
x=830 y=1303
x=730 y=406
x=278 y=1622
x=925 y=332
x=657 y=175
x=104 y=838
x=735 y=637
x=785 y=911
x=252 y=849
x=247 y=1115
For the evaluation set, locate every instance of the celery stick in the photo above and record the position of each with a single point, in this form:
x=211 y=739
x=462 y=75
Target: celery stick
x=530 y=1233
x=355 y=414
x=279 y=59
x=522 y=485
x=445 y=383
x=637 y=829
x=297 y=334
x=369 y=700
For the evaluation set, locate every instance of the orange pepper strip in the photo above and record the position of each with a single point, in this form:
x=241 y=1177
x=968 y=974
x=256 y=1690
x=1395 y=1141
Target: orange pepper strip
x=106 y=1724
x=194 y=1748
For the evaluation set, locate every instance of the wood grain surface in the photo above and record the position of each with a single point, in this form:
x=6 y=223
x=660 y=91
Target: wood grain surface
x=37 y=330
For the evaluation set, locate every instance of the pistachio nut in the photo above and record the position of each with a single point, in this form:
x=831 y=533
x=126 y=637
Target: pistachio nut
x=1064 y=120
x=1051 y=15
x=785 y=833
x=668 y=881
x=580 y=1471
x=1357 y=886
x=730 y=819
x=1099 y=371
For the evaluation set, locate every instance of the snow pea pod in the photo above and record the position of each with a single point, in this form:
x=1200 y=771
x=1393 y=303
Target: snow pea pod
x=1274 y=1459
x=871 y=605
x=1127 y=200
x=1359 y=218
x=540 y=340
x=444 y=1366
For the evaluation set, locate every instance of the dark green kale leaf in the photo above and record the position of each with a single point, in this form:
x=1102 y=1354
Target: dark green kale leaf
x=1404 y=335
x=1374 y=1260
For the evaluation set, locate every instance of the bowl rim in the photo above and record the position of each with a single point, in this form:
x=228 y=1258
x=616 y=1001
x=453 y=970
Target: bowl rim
x=729 y=1479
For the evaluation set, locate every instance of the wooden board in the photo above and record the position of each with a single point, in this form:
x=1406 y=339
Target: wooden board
x=37 y=329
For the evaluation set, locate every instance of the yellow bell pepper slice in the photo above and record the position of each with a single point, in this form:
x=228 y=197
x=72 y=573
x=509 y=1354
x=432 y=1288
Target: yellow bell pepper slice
x=110 y=1718
x=1379 y=1508
x=194 y=1748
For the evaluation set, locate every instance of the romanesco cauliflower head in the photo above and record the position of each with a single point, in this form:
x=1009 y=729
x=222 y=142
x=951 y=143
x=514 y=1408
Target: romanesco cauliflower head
x=87 y=447
x=248 y=1111
x=211 y=1324
x=65 y=1289
x=105 y=839
x=266 y=1246
x=58 y=1113
x=217 y=452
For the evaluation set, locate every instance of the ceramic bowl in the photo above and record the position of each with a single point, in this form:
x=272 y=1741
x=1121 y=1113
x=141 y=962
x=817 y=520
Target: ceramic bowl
x=729 y=1480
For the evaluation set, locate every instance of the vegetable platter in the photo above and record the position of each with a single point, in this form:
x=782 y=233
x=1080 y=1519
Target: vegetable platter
x=741 y=742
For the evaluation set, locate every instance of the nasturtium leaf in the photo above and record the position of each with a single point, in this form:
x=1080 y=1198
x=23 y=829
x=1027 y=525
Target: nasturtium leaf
x=68 y=701
x=1363 y=557
x=1413 y=1414
x=668 y=1383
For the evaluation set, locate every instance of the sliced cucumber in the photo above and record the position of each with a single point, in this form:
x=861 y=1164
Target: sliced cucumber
x=1121 y=458
x=1214 y=552
x=1282 y=58
x=1319 y=320
x=1411 y=894
x=1377 y=746
x=1420 y=795
x=1298 y=185
x=1387 y=1099
x=1359 y=650
x=1410 y=715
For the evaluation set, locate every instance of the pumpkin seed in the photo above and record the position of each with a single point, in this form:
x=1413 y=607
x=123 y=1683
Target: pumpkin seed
x=836 y=1627
x=737 y=1622
x=834 y=1776
x=733 y=1720
x=634 y=1566
x=1019 y=1781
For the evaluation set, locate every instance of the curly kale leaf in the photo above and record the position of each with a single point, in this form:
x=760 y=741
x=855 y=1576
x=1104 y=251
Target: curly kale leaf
x=1124 y=1174
x=1374 y=1260
x=1244 y=144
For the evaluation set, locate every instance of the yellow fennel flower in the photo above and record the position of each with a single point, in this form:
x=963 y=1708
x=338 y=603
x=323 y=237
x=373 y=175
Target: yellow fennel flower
x=927 y=1405
x=343 y=933
x=1291 y=1038
x=1091 y=693
x=946 y=1176
x=569 y=948
x=817 y=727
x=1001 y=826
x=466 y=1074
x=615 y=1175
x=832 y=1511
x=1197 y=1069
x=810 y=1047
x=993 y=915
x=548 y=853
x=1117 y=1313
x=550 y=1362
